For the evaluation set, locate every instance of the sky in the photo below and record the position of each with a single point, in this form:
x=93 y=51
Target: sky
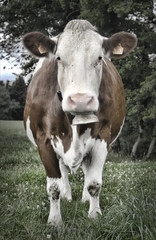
x=7 y=70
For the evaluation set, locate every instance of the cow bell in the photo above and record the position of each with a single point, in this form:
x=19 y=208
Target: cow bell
x=85 y=119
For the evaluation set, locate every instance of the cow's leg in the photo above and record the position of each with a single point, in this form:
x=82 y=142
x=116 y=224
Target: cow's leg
x=93 y=177
x=54 y=181
x=66 y=193
x=54 y=187
x=85 y=164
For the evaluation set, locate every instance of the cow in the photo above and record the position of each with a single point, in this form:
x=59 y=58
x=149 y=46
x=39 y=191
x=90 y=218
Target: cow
x=75 y=107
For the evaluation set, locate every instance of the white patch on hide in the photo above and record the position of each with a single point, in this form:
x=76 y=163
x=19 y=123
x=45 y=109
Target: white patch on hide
x=80 y=146
x=118 y=132
x=29 y=132
x=66 y=190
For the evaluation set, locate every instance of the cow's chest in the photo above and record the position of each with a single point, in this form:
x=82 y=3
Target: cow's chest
x=80 y=146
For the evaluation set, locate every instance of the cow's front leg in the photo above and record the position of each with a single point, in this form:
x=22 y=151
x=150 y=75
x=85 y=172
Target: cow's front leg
x=93 y=177
x=54 y=188
x=66 y=192
x=54 y=180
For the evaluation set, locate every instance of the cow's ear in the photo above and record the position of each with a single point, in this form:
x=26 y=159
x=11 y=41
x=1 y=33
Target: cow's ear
x=38 y=44
x=119 y=45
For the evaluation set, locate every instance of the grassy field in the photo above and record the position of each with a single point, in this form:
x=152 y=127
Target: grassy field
x=128 y=197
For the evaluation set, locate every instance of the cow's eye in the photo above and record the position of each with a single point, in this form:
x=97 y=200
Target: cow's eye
x=100 y=58
x=58 y=58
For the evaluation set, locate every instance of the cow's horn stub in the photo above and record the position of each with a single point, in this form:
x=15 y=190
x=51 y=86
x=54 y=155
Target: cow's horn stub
x=84 y=119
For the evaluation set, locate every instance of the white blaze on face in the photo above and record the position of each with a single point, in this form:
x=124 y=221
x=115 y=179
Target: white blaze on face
x=79 y=65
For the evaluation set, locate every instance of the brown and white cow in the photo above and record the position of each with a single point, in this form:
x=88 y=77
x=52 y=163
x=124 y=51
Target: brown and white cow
x=75 y=107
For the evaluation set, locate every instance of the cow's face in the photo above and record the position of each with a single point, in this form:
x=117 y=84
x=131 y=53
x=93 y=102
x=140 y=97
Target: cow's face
x=80 y=52
x=79 y=57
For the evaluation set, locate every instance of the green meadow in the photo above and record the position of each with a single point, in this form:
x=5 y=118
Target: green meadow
x=128 y=196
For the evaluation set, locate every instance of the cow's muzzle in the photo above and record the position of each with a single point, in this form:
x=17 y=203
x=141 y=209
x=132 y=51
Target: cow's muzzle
x=82 y=107
x=80 y=103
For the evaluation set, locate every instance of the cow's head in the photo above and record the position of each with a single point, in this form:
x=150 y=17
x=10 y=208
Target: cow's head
x=80 y=52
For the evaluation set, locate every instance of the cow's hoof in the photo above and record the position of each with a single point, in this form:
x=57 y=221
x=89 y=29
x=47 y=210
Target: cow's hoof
x=55 y=222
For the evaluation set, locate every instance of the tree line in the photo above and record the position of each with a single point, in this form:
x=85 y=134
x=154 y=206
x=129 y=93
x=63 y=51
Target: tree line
x=12 y=99
x=137 y=70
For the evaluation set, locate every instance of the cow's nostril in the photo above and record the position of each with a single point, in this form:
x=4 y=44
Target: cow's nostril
x=90 y=100
x=71 y=100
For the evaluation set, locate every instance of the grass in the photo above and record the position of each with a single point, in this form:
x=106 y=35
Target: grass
x=128 y=197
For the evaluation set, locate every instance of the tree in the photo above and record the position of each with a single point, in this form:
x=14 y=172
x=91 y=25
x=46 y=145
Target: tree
x=12 y=99
x=6 y=105
x=18 y=93
x=151 y=146
x=20 y=17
